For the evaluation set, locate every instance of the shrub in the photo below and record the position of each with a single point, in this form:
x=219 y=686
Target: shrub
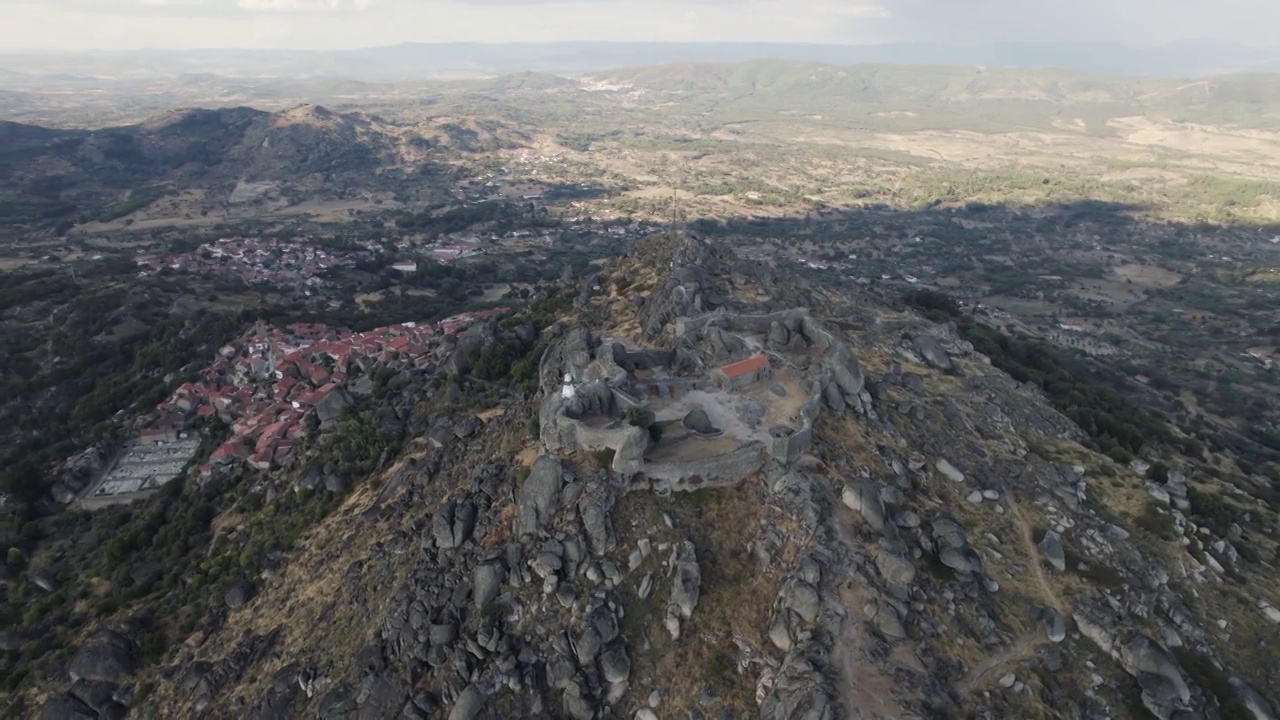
x=154 y=647
x=1158 y=523
x=604 y=458
x=1159 y=472
x=1212 y=509
x=1208 y=676
x=1120 y=455
x=641 y=416
x=936 y=306
x=1091 y=395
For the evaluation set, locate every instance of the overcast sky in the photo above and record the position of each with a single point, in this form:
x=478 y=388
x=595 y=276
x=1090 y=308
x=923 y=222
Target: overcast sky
x=129 y=24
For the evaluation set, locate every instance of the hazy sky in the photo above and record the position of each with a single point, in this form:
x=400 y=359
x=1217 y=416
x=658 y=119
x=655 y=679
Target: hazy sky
x=121 y=24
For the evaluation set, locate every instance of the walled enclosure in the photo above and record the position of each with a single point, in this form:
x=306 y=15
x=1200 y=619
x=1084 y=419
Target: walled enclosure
x=593 y=418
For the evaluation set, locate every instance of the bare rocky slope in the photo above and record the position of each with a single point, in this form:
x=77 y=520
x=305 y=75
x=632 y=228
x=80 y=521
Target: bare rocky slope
x=903 y=531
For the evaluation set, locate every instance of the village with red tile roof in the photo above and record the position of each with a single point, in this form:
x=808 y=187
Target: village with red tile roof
x=266 y=383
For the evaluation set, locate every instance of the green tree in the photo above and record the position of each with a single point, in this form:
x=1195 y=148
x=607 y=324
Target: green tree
x=1159 y=472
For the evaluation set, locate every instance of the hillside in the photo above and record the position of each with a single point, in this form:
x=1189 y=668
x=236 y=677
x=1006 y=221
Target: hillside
x=952 y=97
x=714 y=390
x=199 y=161
x=865 y=518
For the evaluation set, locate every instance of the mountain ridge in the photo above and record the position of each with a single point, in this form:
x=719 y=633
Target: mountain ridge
x=904 y=486
x=214 y=151
x=469 y=59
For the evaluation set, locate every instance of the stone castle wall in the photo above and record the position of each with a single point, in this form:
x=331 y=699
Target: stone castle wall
x=786 y=447
x=563 y=428
x=787 y=444
x=641 y=359
x=717 y=471
x=607 y=361
x=816 y=334
x=559 y=432
x=790 y=319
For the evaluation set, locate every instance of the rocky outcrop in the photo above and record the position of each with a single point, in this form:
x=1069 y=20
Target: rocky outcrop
x=949 y=471
x=107 y=656
x=697 y=421
x=1251 y=700
x=930 y=349
x=562 y=427
x=896 y=569
x=1166 y=692
x=76 y=473
x=798 y=693
x=683 y=292
x=206 y=681
x=1164 y=689
x=66 y=708
x=539 y=495
x=453 y=523
x=864 y=498
x=865 y=567
x=331 y=408
x=240 y=593
x=486 y=582
x=1051 y=550
x=594 y=508
x=469 y=704
x=615 y=665
x=685 y=586
x=846 y=373
x=720 y=346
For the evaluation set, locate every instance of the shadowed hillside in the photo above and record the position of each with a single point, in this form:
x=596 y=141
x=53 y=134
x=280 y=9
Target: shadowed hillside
x=216 y=158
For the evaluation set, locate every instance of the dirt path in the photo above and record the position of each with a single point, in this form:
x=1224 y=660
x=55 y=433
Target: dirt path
x=1033 y=553
x=1024 y=646
x=863 y=689
x=1017 y=651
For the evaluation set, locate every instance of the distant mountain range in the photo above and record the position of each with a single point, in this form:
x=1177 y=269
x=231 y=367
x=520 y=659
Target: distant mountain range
x=50 y=176
x=473 y=60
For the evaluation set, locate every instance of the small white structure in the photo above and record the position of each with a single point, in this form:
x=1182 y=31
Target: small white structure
x=568 y=390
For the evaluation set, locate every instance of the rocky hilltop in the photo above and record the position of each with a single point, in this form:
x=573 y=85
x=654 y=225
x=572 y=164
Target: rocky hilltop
x=193 y=161
x=733 y=495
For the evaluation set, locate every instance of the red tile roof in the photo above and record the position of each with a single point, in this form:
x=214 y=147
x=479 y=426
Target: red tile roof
x=742 y=367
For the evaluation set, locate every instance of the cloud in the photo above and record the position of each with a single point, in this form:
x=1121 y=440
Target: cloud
x=304 y=5
x=1122 y=21
x=197 y=6
x=78 y=24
